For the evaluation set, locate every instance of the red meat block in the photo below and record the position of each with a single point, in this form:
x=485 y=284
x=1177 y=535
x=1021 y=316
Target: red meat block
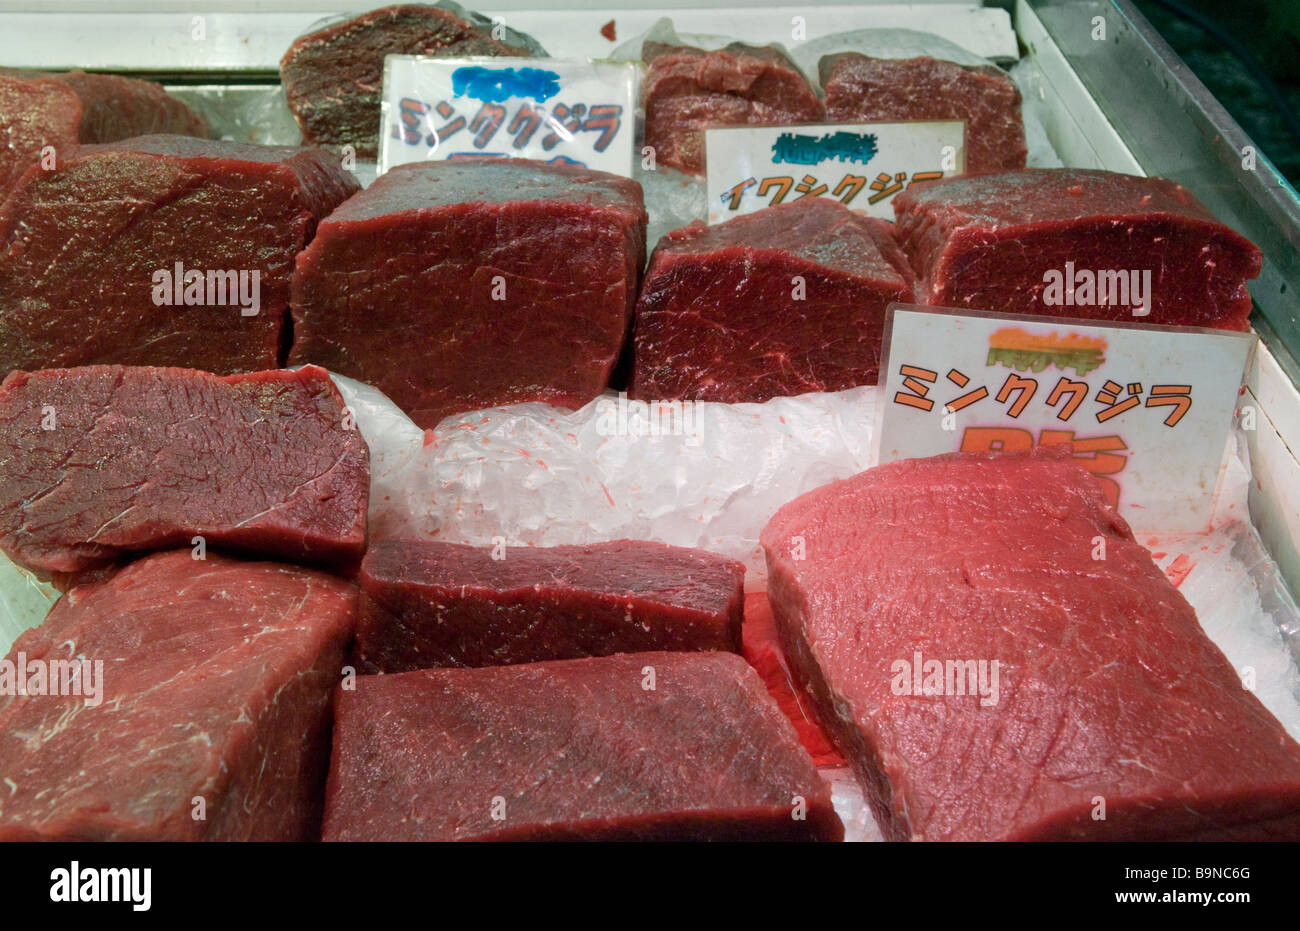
x=989 y=679
x=333 y=75
x=39 y=109
x=104 y=461
x=639 y=746
x=159 y=250
x=784 y=301
x=193 y=703
x=860 y=89
x=443 y=604
x=458 y=285
x=761 y=648
x=688 y=90
x=1074 y=242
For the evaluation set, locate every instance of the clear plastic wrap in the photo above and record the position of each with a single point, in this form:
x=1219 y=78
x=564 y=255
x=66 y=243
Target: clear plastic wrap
x=260 y=114
x=510 y=36
x=256 y=114
x=674 y=199
x=881 y=43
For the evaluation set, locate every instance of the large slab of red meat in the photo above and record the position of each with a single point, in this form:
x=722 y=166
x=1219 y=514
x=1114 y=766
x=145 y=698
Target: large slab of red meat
x=861 y=89
x=458 y=285
x=444 y=604
x=1110 y=715
x=996 y=242
x=66 y=110
x=639 y=746
x=101 y=462
x=209 y=718
x=333 y=75
x=86 y=248
x=783 y=301
x=688 y=90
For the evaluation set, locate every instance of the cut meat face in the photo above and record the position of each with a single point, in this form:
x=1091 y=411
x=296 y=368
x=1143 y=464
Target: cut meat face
x=500 y=280
x=860 y=89
x=104 y=461
x=784 y=301
x=114 y=108
x=40 y=109
x=35 y=112
x=333 y=75
x=193 y=703
x=989 y=678
x=688 y=90
x=762 y=650
x=159 y=250
x=443 y=604
x=639 y=746
x=1074 y=242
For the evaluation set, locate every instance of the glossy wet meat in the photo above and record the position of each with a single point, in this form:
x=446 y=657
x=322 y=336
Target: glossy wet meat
x=882 y=90
x=578 y=749
x=443 y=604
x=102 y=462
x=333 y=75
x=784 y=301
x=85 y=250
x=66 y=110
x=1110 y=714
x=689 y=89
x=212 y=718
x=994 y=242
x=457 y=285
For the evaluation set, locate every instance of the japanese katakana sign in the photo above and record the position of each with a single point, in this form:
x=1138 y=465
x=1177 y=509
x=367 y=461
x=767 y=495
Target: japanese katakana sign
x=862 y=165
x=1147 y=409
x=576 y=111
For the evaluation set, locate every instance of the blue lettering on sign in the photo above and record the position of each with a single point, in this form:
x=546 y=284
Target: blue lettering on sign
x=795 y=149
x=495 y=85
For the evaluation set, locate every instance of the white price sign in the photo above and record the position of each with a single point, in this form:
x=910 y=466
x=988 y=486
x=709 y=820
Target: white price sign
x=1148 y=409
x=578 y=111
x=862 y=165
